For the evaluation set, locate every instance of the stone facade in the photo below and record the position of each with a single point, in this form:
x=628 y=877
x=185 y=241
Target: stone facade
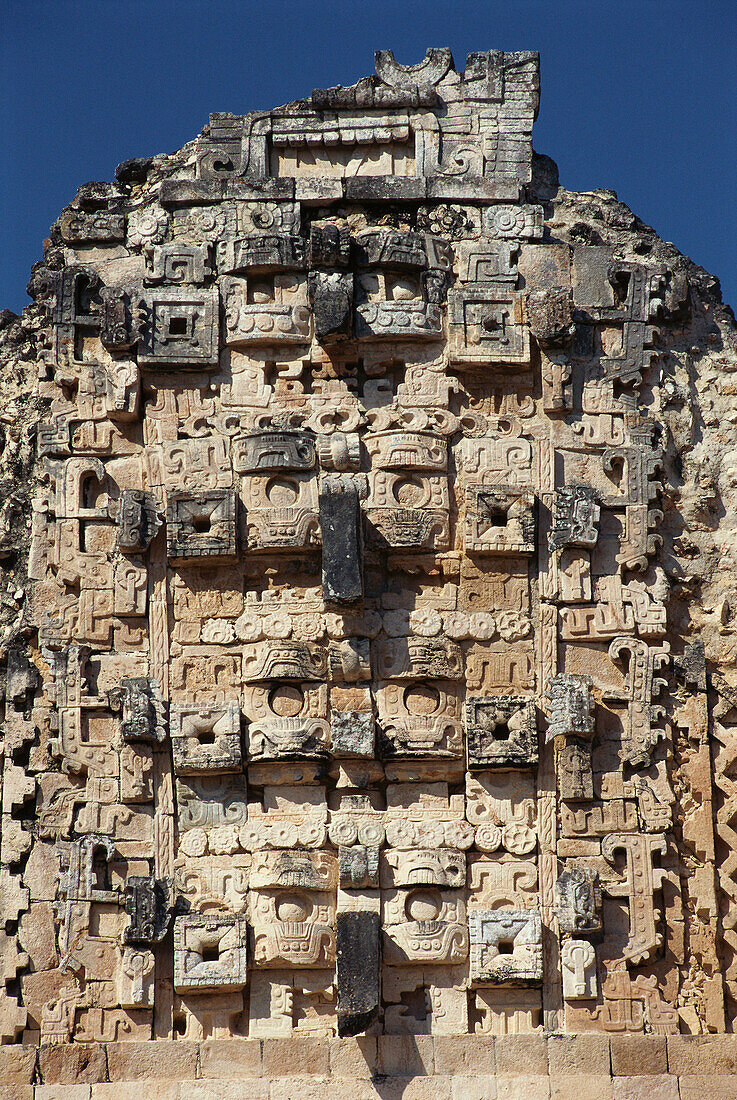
x=368 y=630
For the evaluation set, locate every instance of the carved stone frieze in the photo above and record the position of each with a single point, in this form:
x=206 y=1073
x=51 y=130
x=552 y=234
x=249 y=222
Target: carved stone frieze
x=337 y=447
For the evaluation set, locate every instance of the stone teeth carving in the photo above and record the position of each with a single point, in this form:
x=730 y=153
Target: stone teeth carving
x=273 y=450
x=403 y=450
x=210 y=952
x=429 y=867
x=291 y=869
x=284 y=660
x=575 y=518
x=406 y=318
x=211 y=881
x=506 y=946
x=260 y=253
x=286 y=1002
x=502 y=881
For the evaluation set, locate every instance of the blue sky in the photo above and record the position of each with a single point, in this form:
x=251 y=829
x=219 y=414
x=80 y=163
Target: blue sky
x=637 y=95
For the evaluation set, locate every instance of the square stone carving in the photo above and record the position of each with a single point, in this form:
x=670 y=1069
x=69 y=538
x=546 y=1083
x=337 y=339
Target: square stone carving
x=201 y=525
x=286 y=719
x=205 y=739
x=178 y=327
x=506 y=946
x=501 y=731
x=499 y=521
x=485 y=324
x=407 y=510
x=210 y=952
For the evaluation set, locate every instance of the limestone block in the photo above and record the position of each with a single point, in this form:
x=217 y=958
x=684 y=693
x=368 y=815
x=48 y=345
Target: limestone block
x=506 y=946
x=210 y=952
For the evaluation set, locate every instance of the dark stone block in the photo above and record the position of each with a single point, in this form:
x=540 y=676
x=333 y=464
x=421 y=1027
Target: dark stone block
x=147 y=904
x=329 y=246
x=138 y=700
x=385 y=189
x=690 y=667
x=472 y=189
x=331 y=296
x=342 y=576
x=134 y=170
x=358 y=968
x=259 y=187
x=191 y=192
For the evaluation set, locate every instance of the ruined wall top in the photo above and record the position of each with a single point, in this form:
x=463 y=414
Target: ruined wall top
x=419 y=131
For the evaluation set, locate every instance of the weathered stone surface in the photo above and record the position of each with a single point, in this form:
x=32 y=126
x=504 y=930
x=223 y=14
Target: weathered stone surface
x=340 y=524
x=366 y=525
x=358 y=963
